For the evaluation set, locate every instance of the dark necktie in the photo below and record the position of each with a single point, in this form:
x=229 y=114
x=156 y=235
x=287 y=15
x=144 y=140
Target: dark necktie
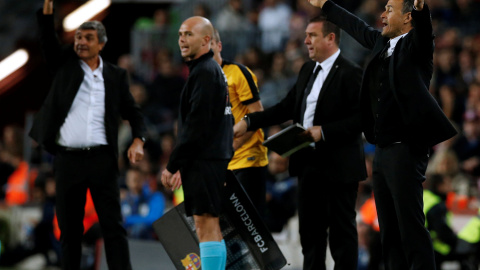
x=308 y=89
x=384 y=53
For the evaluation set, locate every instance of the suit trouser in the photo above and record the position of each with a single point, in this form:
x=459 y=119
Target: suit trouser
x=398 y=174
x=326 y=210
x=74 y=173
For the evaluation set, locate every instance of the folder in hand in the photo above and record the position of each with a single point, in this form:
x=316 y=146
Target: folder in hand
x=288 y=140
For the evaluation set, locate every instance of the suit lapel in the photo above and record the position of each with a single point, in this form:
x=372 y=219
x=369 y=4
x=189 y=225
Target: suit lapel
x=328 y=80
x=77 y=75
x=302 y=83
x=108 y=83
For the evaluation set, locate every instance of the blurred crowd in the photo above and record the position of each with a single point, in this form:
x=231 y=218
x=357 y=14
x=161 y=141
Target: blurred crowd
x=266 y=36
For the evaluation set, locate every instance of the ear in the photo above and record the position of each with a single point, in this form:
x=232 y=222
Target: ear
x=331 y=37
x=220 y=46
x=407 y=18
x=207 y=40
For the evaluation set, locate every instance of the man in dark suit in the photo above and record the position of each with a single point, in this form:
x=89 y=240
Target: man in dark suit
x=325 y=100
x=400 y=116
x=78 y=123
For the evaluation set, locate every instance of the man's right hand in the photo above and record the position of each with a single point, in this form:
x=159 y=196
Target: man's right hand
x=240 y=129
x=48 y=7
x=317 y=3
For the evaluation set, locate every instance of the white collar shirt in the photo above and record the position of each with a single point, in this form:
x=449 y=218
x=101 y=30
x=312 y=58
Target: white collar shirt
x=84 y=125
x=311 y=102
x=393 y=43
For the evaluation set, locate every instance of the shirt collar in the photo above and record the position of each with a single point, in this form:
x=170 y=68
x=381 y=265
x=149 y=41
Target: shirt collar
x=192 y=63
x=97 y=71
x=328 y=63
x=393 y=41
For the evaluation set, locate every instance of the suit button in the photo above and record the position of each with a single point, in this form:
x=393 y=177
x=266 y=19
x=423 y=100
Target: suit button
x=378 y=99
x=376 y=115
x=381 y=84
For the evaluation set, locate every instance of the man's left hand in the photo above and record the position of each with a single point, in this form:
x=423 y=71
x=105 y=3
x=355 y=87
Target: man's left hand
x=419 y=4
x=171 y=181
x=313 y=133
x=135 y=152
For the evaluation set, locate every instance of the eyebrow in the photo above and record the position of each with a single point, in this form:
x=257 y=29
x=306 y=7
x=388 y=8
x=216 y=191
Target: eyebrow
x=86 y=35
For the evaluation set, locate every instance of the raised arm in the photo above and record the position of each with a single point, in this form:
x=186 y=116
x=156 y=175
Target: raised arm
x=48 y=7
x=365 y=34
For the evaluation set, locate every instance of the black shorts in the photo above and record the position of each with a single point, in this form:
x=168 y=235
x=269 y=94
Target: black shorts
x=203 y=186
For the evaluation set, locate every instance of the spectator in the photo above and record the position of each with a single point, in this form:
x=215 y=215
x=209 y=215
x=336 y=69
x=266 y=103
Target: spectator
x=141 y=206
x=273 y=22
x=438 y=219
x=446 y=164
x=231 y=18
x=281 y=193
x=467 y=146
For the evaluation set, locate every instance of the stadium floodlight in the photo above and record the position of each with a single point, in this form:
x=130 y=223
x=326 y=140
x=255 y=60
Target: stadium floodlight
x=83 y=13
x=13 y=62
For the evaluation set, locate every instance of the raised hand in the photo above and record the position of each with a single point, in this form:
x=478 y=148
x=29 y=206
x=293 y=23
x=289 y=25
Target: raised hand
x=48 y=7
x=419 y=4
x=317 y=3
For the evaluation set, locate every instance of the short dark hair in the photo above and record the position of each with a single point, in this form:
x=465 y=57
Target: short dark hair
x=98 y=26
x=328 y=27
x=216 y=36
x=407 y=6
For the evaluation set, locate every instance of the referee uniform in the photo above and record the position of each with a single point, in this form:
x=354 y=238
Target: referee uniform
x=205 y=138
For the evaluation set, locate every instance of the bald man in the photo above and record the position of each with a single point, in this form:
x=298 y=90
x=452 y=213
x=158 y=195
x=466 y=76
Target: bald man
x=205 y=140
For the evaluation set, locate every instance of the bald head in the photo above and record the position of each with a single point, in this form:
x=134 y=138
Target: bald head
x=194 y=37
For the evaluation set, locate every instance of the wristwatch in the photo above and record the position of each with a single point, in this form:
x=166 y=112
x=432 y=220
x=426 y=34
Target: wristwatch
x=247 y=120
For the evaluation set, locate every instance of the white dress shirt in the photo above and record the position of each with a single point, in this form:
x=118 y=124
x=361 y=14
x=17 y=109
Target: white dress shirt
x=85 y=122
x=311 y=102
x=393 y=43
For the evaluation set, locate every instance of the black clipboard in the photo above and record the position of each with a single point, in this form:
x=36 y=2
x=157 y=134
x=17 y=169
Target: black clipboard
x=288 y=140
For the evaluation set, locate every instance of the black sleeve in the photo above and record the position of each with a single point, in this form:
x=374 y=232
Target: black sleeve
x=423 y=45
x=354 y=26
x=53 y=51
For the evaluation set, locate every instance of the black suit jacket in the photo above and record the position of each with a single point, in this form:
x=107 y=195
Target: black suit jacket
x=341 y=154
x=410 y=71
x=68 y=76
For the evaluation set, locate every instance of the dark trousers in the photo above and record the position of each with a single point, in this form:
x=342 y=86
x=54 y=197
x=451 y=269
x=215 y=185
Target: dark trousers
x=398 y=174
x=326 y=210
x=254 y=181
x=74 y=173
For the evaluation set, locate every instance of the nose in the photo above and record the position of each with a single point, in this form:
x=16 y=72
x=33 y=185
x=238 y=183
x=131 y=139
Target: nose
x=307 y=40
x=81 y=41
